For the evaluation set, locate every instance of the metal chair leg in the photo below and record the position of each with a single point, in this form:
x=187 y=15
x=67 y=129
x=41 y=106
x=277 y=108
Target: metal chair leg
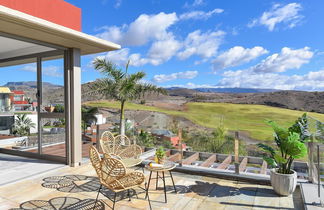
x=114 y=201
x=175 y=190
x=165 y=197
x=148 y=185
x=97 y=197
x=136 y=193
x=148 y=199
x=128 y=194
x=157 y=180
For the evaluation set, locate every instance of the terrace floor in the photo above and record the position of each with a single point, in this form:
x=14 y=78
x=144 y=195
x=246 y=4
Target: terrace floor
x=76 y=188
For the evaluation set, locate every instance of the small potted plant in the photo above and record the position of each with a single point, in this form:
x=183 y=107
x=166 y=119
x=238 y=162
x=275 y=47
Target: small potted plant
x=160 y=155
x=290 y=145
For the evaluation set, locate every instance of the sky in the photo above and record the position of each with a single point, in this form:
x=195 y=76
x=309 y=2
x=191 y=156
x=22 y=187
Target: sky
x=207 y=43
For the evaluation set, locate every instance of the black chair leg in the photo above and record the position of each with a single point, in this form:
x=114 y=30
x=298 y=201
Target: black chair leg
x=129 y=197
x=97 y=197
x=114 y=201
x=165 y=197
x=175 y=190
x=148 y=199
x=157 y=180
x=148 y=185
x=136 y=193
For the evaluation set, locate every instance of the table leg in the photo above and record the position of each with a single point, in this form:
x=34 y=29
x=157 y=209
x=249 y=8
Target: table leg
x=165 y=197
x=148 y=185
x=175 y=190
x=157 y=180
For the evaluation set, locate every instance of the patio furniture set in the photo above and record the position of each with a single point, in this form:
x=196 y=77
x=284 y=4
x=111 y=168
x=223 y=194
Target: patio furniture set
x=120 y=154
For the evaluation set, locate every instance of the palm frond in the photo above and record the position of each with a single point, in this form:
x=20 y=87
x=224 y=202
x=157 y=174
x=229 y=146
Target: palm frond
x=108 y=68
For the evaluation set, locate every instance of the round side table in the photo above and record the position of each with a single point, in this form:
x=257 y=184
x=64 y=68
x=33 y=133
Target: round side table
x=166 y=167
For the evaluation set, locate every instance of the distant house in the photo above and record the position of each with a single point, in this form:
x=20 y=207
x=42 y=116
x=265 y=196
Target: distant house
x=169 y=136
x=5 y=99
x=20 y=102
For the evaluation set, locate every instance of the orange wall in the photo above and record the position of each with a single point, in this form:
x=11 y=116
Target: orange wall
x=56 y=11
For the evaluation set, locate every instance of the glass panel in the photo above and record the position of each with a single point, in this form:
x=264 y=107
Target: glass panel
x=52 y=108
x=52 y=86
x=53 y=136
x=18 y=108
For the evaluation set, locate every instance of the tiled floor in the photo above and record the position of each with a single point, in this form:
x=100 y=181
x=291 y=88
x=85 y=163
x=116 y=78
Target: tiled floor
x=15 y=168
x=75 y=188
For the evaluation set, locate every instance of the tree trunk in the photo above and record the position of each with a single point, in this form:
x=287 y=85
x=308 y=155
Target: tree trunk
x=122 y=119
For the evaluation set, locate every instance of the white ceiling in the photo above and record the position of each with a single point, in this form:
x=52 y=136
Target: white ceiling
x=12 y=48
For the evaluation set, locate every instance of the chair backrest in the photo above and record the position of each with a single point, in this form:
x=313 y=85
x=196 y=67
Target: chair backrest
x=107 y=142
x=112 y=169
x=114 y=145
x=122 y=142
x=95 y=160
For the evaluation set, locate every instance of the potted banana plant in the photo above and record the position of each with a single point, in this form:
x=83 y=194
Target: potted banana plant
x=160 y=155
x=289 y=146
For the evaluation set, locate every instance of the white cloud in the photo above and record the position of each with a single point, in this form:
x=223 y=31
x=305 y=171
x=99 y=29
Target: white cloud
x=118 y=3
x=247 y=78
x=52 y=71
x=236 y=56
x=195 y=3
x=200 y=14
x=204 y=45
x=144 y=29
x=179 y=75
x=162 y=51
x=287 y=14
x=198 y=2
x=285 y=60
x=119 y=57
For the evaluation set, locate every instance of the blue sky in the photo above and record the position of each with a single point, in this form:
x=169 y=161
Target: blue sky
x=207 y=43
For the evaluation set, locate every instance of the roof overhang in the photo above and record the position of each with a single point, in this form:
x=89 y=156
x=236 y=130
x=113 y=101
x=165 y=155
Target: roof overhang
x=20 y=24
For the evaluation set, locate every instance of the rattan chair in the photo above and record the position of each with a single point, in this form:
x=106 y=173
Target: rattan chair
x=122 y=148
x=113 y=176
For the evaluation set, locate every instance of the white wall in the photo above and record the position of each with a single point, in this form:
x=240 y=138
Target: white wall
x=100 y=119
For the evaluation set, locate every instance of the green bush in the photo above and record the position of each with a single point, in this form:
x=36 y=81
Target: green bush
x=59 y=108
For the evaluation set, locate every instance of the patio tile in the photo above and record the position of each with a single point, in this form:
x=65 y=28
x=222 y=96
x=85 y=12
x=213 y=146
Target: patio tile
x=211 y=205
x=265 y=200
x=7 y=204
x=194 y=192
x=194 y=203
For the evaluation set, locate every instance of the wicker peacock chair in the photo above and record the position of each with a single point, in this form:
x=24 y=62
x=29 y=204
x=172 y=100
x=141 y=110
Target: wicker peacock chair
x=122 y=148
x=113 y=176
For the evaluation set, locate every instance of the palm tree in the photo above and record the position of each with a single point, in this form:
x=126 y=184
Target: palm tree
x=22 y=125
x=88 y=115
x=121 y=86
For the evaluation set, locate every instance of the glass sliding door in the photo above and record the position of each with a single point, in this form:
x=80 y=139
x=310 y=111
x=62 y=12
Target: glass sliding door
x=52 y=128
x=18 y=108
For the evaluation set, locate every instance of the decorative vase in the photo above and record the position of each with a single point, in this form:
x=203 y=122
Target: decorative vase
x=283 y=184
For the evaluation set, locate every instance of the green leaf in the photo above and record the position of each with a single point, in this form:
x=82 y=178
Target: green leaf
x=279 y=159
x=271 y=162
x=266 y=148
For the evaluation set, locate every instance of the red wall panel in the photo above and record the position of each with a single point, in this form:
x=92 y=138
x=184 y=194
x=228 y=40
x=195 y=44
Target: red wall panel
x=56 y=11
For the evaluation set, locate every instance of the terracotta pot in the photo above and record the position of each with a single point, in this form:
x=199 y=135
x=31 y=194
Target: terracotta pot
x=283 y=184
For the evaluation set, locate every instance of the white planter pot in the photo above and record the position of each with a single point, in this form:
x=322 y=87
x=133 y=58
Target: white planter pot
x=283 y=184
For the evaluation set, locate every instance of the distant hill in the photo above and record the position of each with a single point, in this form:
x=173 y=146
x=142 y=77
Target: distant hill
x=296 y=100
x=226 y=90
x=30 y=85
x=235 y=90
x=30 y=89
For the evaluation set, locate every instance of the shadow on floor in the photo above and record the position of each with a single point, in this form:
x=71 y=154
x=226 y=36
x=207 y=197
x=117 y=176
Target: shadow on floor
x=81 y=183
x=67 y=203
